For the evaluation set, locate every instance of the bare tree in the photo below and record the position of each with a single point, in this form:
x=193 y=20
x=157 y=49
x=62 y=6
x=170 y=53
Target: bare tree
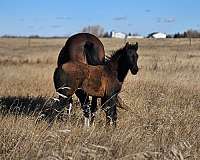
x=97 y=30
x=193 y=33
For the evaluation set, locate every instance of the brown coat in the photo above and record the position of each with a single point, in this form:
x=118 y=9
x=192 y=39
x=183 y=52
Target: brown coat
x=94 y=80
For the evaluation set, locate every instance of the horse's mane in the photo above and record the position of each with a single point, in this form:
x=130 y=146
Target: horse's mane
x=114 y=56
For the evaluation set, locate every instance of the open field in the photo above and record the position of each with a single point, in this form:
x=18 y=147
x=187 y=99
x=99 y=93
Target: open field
x=163 y=121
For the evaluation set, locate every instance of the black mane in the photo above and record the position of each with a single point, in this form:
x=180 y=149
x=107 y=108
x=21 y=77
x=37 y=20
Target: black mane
x=114 y=56
x=117 y=54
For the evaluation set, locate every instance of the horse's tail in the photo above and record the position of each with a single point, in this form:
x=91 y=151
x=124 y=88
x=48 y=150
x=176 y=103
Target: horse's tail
x=57 y=78
x=91 y=53
x=63 y=56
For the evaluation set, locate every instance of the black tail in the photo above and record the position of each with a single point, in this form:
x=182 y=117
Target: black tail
x=91 y=53
x=58 y=78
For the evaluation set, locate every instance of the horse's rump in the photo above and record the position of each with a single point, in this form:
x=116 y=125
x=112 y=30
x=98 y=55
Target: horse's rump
x=82 y=47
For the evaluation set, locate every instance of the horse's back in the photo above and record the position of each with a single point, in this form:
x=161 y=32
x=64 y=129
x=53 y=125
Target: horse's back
x=82 y=47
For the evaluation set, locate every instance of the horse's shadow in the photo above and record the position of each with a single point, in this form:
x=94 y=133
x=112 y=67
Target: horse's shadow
x=24 y=105
x=38 y=106
x=42 y=108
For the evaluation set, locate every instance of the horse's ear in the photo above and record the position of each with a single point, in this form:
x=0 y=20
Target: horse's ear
x=136 y=46
x=127 y=44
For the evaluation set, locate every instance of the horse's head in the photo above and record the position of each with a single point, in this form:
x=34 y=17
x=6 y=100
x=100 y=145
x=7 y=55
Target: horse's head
x=132 y=57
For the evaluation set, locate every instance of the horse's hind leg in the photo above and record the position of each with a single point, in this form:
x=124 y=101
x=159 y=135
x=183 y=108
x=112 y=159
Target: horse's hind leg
x=69 y=107
x=84 y=100
x=64 y=92
x=82 y=96
x=65 y=101
x=56 y=111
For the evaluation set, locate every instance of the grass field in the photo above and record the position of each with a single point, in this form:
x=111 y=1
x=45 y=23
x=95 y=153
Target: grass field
x=163 y=121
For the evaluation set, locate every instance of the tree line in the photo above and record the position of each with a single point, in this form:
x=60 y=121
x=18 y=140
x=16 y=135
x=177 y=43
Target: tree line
x=188 y=34
x=98 y=31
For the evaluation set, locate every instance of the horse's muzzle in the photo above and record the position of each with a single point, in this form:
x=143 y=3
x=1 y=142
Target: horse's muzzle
x=134 y=70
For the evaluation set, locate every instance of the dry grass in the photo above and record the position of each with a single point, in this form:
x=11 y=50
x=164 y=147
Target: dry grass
x=163 y=121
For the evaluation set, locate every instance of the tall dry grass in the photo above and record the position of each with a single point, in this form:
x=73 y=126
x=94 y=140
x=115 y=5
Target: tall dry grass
x=163 y=121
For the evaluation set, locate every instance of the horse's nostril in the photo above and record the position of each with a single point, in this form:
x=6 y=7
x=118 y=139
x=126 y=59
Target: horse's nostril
x=136 y=69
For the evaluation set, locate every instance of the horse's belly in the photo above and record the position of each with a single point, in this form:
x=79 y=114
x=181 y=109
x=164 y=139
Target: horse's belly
x=94 y=92
x=94 y=87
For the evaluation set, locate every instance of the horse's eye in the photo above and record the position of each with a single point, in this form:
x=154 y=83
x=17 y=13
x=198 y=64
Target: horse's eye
x=130 y=52
x=135 y=56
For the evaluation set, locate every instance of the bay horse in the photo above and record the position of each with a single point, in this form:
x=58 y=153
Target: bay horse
x=103 y=81
x=84 y=48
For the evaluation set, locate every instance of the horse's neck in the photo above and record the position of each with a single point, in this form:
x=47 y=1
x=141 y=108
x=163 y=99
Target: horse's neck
x=119 y=68
x=122 y=71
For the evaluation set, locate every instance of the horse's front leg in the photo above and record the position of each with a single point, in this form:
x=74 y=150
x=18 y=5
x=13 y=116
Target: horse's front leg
x=87 y=114
x=109 y=106
x=93 y=109
x=84 y=100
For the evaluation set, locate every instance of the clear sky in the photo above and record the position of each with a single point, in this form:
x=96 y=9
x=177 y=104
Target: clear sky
x=66 y=17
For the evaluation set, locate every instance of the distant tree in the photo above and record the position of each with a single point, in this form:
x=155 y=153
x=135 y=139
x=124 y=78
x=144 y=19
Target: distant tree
x=97 y=30
x=169 y=36
x=185 y=34
x=106 y=35
x=34 y=36
x=8 y=36
x=188 y=34
x=110 y=33
x=178 y=35
x=135 y=34
x=193 y=33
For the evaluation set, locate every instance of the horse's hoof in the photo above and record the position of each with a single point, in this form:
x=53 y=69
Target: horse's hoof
x=40 y=118
x=111 y=125
x=92 y=122
x=69 y=109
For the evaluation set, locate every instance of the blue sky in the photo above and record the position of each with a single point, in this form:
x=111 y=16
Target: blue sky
x=65 y=17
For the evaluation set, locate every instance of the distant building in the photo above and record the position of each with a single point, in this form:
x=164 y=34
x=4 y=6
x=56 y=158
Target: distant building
x=157 y=35
x=135 y=37
x=118 y=35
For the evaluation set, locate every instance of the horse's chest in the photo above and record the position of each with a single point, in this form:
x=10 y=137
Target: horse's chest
x=113 y=86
